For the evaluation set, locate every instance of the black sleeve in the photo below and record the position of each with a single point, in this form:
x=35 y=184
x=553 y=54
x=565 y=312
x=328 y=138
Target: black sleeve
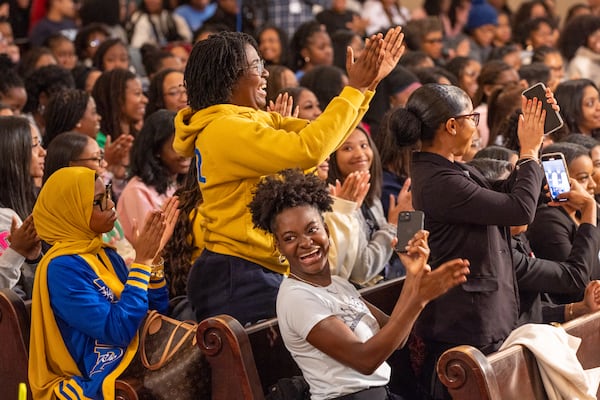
x=560 y=277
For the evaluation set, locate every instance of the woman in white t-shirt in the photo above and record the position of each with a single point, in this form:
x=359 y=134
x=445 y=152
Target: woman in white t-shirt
x=339 y=341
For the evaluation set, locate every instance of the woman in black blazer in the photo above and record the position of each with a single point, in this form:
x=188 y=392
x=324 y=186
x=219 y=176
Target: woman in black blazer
x=468 y=218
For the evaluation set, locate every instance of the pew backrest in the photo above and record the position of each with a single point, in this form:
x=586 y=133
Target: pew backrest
x=512 y=373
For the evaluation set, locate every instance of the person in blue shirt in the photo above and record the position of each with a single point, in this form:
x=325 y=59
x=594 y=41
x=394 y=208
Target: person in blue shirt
x=87 y=306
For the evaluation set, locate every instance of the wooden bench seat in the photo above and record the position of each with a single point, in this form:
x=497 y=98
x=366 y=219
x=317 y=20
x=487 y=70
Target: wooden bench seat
x=14 y=343
x=512 y=373
x=222 y=340
x=243 y=362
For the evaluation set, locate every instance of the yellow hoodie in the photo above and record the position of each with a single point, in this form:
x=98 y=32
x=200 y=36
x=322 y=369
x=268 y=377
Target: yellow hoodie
x=236 y=146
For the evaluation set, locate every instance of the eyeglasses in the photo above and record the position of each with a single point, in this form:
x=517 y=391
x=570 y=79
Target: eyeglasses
x=181 y=90
x=99 y=159
x=473 y=117
x=103 y=202
x=259 y=66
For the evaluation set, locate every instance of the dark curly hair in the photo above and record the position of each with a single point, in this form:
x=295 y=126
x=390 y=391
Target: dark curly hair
x=288 y=189
x=214 y=67
x=46 y=80
x=325 y=81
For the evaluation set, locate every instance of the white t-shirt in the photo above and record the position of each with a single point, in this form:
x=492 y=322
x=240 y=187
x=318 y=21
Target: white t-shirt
x=300 y=307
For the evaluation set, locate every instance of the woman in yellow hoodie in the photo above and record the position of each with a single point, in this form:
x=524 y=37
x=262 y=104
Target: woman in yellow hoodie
x=236 y=143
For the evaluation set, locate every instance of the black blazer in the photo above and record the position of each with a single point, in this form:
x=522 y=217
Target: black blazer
x=469 y=218
x=567 y=278
x=552 y=236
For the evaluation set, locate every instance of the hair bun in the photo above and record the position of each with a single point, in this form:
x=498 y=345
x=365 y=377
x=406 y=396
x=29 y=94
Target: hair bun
x=406 y=126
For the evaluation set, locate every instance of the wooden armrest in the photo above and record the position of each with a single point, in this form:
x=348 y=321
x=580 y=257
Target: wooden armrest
x=226 y=346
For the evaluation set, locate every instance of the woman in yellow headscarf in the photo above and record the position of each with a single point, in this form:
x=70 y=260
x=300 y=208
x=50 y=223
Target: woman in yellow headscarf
x=87 y=306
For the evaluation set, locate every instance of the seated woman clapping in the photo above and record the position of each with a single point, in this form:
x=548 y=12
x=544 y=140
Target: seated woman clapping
x=339 y=341
x=87 y=306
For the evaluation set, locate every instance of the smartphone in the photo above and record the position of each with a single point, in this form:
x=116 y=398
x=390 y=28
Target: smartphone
x=553 y=119
x=409 y=223
x=557 y=174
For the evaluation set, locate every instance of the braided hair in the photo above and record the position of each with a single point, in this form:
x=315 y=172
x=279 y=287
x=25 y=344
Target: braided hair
x=214 y=67
x=109 y=93
x=64 y=110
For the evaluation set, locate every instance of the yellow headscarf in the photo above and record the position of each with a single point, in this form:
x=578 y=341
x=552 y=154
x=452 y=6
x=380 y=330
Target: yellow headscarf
x=62 y=218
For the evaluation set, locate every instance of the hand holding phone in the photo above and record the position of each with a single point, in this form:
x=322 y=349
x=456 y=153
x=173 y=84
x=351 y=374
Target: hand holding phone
x=557 y=175
x=553 y=120
x=409 y=223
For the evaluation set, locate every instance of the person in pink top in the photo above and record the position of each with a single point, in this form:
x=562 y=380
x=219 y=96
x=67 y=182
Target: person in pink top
x=156 y=171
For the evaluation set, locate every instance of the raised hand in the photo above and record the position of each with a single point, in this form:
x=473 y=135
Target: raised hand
x=531 y=127
x=417 y=253
x=393 y=50
x=403 y=203
x=171 y=212
x=355 y=187
x=147 y=242
x=577 y=198
x=115 y=152
x=24 y=239
x=362 y=72
x=284 y=105
x=591 y=298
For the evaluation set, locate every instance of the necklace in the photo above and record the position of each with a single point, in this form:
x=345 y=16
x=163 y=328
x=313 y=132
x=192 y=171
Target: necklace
x=293 y=275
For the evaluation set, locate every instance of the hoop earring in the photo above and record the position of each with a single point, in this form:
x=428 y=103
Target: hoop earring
x=281 y=259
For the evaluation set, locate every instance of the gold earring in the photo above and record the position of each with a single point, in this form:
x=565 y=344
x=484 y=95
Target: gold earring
x=281 y=259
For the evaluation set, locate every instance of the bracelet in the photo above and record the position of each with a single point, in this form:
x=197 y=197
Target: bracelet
x=570 y=310
x=158 y=270
x=526 y=159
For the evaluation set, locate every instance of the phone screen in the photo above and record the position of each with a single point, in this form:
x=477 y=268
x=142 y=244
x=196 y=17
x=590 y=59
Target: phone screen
x=553 y=119
x=557 y=177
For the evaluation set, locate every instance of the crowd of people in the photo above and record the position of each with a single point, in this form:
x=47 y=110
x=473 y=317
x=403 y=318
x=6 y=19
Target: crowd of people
x=204 y=157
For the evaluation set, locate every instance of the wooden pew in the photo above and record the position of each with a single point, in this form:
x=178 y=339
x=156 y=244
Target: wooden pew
x=244 y=362
x=14 y=343
x=222 y=340
x=273 y=360
x=512 y=373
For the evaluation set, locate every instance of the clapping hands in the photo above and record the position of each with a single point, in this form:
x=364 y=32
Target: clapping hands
x=379 y=58
x=156 y=232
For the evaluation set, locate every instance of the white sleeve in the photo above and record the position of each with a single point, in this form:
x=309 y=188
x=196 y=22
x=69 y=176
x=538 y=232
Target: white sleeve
x=300 y=310
x=372 y=258
x=10 y=268
x=373 y=11
x=182 y=27
x=141 y=32
x=346 y=237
